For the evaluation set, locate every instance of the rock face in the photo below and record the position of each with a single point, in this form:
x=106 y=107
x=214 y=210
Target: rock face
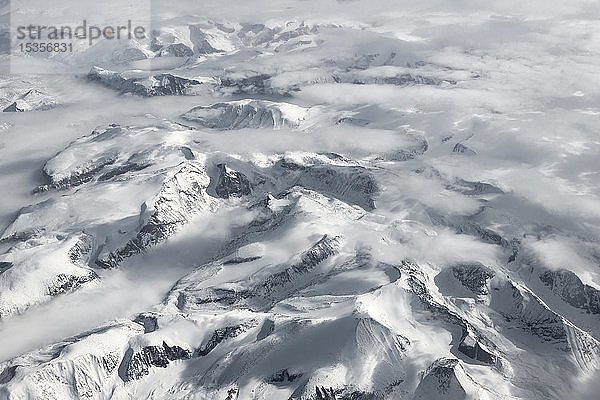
x=440 y=382
x=262 y=291
x=44 y=267
x=78 y=177
x=77 y=367
x=283 y=376
x=32 y=100
x=475 y=188
x=91 y=157
x=461 y=148
x=474 y=277
x=566 y=285
x=398 y=80
x=231 y=183
x=350 y=183
x=247 y=114
x=218 y=336
x=416 y=147
x=181 y=196
x=259 y=84
x=153 y=85
x=137 y=365
x=471 y=342
x=525 y=310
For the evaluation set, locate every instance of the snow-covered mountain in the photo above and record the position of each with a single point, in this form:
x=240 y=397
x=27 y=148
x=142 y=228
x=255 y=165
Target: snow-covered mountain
x=304 y=201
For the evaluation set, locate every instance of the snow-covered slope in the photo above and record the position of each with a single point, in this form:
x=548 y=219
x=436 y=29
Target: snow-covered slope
x=304 y=201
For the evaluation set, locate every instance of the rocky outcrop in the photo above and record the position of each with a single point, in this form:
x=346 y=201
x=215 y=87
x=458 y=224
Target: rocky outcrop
x=473 y=276
x=181 y=196
x=397 y=80
x=261 y=292
x=329 y=393
x=83 y=174
x=566 y=285
x=79 y=367
x=474 y=225
x=231 y=183
x=5 y=266
x=259 y=84
x=136 y=365
x=42 y=268
x=277 y=285
x=409 y=152
x=64 y=283
x=440 y=381
x=471 y=342
x=218 y=336
x=247 y=114
x=283 y=376
x=523 y=309
x=153 y=85
x=350 y=183
x=471 y=188
x=148 y=321
x=32 y=100
x=461 y=148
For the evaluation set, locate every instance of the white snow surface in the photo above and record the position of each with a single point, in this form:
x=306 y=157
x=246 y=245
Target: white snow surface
x=356 y=200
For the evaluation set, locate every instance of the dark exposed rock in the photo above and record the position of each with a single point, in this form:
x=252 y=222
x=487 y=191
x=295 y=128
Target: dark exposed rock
x=475 y=188
x=265 y=330
x=439 y=381
x=4 y=266
x=201 y=44
x=473 y=349
x=525 y=310
x=410 y=152
x=79 y=177
x=80 y=252
x=283 y=376
x=323 y=393
x=515 y=246
x=566 y=285
x=231 y=183
x=121 y=170
x=473 y=276
x=181 y=196
x=64 y=283
x=353 y=121
x=168 y=84
x=257 y=84
x=239 y=260
x=8 y=374
x=471 y=342
x=351 y=184
x=242 y=114
x=218 y=336
x=271 y=289
x=139 y=363
x=468 y=225
x=401 y=80
x=32 y=100
x=463 y=149
x=154 y=85
x=213 y=295
x=177 y=50
x=148 y=321
x=187 y=153
x=326 y=247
